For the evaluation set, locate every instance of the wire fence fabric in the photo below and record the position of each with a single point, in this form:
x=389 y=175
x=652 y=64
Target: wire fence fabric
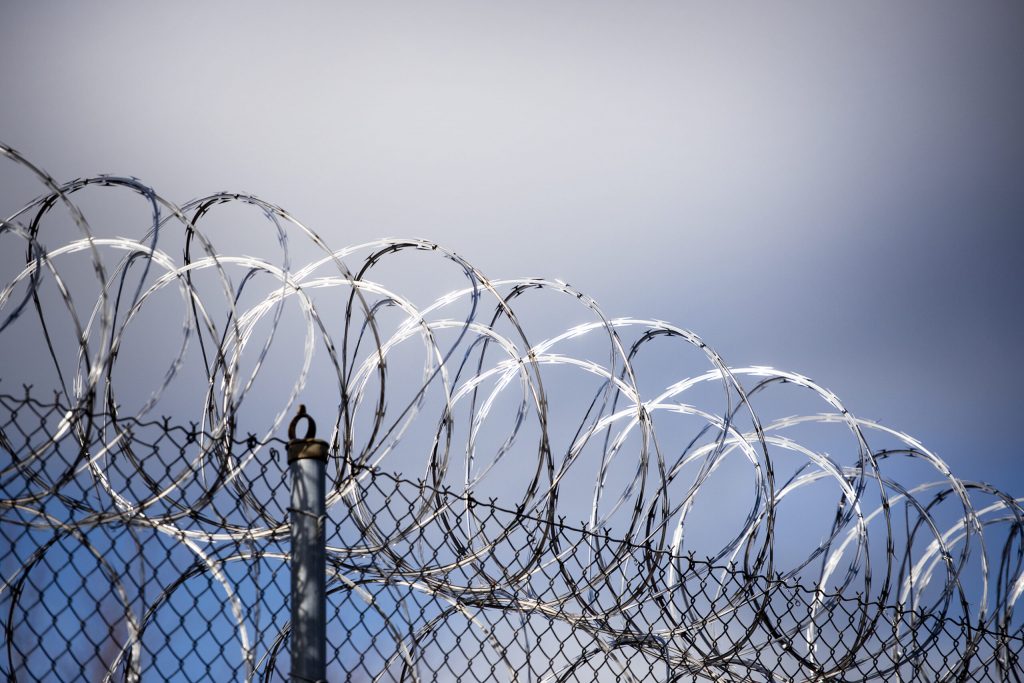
x=93 y=594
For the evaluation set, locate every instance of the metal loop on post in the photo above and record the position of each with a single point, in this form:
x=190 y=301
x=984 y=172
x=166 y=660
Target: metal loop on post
x=308 y=446
x=310 y=423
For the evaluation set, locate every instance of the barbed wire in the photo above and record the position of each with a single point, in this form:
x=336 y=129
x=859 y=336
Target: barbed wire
x=605 y=491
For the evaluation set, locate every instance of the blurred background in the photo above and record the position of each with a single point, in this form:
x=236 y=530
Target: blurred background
x=833 y=190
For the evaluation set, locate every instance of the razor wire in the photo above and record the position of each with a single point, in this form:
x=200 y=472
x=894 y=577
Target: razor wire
x=519 y=488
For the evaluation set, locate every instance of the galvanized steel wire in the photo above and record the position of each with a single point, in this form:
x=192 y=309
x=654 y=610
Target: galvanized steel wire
x=551 y=484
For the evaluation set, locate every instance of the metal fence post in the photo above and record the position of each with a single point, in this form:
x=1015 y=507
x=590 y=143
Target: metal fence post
x=307 y=461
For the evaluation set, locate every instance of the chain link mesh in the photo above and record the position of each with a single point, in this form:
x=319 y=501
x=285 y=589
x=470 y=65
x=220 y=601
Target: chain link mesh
x=426 y=583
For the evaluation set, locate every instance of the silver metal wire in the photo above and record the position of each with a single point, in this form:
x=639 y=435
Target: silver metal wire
x=611 y=477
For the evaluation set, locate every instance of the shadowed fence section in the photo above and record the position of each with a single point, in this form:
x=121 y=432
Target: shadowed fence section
x=518 y=487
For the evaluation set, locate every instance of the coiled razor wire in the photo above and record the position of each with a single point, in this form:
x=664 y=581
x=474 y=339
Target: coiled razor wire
x=520 y=488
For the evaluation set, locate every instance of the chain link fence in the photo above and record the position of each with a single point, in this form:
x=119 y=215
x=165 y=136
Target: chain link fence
x=152 y=551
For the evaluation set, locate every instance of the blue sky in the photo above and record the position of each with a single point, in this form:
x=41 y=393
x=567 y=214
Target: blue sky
x=832 y=190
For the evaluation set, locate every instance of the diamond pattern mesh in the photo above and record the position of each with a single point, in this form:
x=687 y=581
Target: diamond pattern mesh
x=425 y=583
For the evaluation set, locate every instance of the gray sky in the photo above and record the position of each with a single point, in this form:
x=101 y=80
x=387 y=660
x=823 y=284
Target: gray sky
x=835 y=190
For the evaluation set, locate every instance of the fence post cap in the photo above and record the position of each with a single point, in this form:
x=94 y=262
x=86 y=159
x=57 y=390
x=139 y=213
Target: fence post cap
x=308 y=447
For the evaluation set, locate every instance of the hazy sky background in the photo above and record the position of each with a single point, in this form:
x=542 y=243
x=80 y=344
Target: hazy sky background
x=832 y=189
